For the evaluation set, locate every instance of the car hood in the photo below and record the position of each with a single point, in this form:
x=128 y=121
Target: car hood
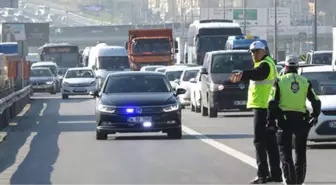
x=138 y=99
x=104 y=73
x=78 y=80
x=40 y=79
x=328 y=102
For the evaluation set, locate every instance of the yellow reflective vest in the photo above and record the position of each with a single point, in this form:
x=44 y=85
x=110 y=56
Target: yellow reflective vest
x=259 y=91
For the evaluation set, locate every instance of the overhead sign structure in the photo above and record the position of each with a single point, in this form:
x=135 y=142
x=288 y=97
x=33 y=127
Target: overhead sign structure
x=9 y=4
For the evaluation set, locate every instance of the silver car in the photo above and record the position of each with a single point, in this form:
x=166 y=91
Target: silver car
x=79 y=81
x=43 y=80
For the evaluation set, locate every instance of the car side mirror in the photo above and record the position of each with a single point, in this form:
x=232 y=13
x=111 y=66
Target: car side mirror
x=193 y=80
x=177 y=81
x=203 y=71
x=94 y=67
x=180 y=91
x=94 y=93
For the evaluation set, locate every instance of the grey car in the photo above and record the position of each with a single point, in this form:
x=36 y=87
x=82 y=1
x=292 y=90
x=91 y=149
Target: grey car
x=43 y=80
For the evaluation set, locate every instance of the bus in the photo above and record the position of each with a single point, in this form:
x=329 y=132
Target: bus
x=243 y=42
x=63 y=54
x=209 y=35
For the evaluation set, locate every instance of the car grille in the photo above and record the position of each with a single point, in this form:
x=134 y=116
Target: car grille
x=80 y=85
x=326 y=129
x=144 y=110
x=329 y=112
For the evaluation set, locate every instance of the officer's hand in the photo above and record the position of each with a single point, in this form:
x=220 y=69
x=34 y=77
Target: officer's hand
x=236 y=77
x=313 y=121
x=271 y=126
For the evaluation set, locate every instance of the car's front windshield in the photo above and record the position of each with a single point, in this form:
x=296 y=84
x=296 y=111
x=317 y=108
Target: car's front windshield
x=174 y=75
x=40 y=73
x=79 y=74
x=324 y=83
x=51 y=67
x=137 y=84
x=189 y=74
x=228 y=62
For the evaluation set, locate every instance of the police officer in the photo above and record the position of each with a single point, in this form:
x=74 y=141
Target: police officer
x=262 y=77
x=289 y=108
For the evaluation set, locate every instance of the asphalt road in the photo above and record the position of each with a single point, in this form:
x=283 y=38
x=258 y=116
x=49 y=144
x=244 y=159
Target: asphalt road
x=53 y=141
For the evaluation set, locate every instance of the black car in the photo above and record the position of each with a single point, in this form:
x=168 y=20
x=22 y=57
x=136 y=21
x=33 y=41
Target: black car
x=138 y=102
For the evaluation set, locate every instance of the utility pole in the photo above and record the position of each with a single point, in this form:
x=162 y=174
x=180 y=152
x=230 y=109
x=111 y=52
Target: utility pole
x=315 y=25
x=224 y=8
x=275 y=31
x=245 y=17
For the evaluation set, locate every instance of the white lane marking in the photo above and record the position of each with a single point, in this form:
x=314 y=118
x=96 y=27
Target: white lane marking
x=228 y=150
x=43 y=109
x=79 y=121
x=6 y=175
x=224 y=148
x=24 y=111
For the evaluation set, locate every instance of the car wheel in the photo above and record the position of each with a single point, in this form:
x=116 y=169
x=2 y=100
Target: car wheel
x=192 y=107
x=65 y=96
x=175 y=133
x=100 y=136
x=212 y=112
x=197 y=109
x=204 y=110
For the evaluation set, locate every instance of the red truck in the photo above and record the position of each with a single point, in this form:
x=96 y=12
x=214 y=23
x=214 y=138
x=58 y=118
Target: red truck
x=150 y=47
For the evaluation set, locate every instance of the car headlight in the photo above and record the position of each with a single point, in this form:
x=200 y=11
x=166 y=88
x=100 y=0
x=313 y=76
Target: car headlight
x=216 y=87
x=65 y=84
x=49 y=82
x=171 y=108
x=93 y=83
x=106 y=108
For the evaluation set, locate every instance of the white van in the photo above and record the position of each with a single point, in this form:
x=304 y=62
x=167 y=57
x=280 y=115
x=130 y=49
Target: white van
x=105 y=59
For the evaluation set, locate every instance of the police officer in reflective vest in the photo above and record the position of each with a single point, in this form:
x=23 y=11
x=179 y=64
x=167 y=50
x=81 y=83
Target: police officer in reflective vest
x=262 y=77
x=288 y=107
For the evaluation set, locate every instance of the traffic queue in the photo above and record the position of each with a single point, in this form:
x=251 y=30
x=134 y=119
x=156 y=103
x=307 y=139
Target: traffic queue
x=134 y=96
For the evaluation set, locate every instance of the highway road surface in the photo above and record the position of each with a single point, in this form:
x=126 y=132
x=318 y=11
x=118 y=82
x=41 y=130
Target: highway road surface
x=53 y=141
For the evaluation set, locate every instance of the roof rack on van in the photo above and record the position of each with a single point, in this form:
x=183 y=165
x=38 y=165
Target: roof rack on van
x=216 y=20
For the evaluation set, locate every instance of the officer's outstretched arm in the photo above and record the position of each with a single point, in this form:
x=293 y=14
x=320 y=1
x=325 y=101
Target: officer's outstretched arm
x=314 y=100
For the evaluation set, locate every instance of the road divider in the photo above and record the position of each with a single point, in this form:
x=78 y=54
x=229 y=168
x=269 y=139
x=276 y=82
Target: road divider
x=12 y=105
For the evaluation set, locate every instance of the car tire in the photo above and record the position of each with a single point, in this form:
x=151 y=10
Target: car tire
x=212 y=112
x=192 y=108
x=197 y=109
x=175 y=133
x=65 y=96
x=204 y=110
x=101 y=136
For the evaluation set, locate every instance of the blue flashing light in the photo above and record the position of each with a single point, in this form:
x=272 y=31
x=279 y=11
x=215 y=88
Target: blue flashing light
x=130 y=110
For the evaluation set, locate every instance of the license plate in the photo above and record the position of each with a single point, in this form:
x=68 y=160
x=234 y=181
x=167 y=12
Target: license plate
x=239 y=102
x=139 y=119
x=79 y=90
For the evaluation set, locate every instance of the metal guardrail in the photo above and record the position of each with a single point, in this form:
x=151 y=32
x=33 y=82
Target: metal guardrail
x=12 y=105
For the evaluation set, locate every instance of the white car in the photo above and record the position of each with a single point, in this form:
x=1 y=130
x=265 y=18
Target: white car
x=195 y=93
x=323 y=79
x=78 y=81
x=174 y=74
x=150 y=68
x=186 y=81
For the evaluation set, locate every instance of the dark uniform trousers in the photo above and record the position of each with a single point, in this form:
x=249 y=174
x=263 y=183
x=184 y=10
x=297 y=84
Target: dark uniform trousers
x=296 y=125
x=265 y=143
